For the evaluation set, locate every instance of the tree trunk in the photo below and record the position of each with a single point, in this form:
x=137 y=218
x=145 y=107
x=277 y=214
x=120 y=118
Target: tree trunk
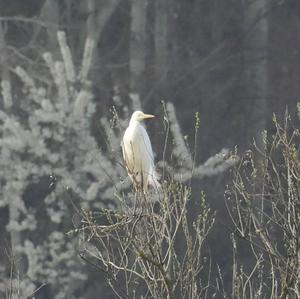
x=256 y=65
x=160 y=39
x=50 y=14
x=99 y=13
x=5 y=75
x=137 y=60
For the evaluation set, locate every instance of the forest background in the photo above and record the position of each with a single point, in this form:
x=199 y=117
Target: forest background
x=69 y=67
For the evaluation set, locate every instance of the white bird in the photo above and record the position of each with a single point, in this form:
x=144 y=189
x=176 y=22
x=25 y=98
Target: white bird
x=138 y=154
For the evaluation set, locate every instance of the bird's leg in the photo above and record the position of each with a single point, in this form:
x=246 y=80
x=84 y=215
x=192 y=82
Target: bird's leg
x=135 y=186
x=135 y=204
x=143 y=192
x=142 y=181
x=138 y=190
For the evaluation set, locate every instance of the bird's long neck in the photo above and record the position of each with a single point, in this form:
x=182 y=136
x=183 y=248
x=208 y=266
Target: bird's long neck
x=134 y=122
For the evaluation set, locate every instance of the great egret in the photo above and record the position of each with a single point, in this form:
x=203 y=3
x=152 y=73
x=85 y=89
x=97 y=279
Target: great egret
x=138 y=154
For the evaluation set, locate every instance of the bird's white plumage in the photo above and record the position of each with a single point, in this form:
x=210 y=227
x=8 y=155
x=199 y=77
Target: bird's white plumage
x=138 y=154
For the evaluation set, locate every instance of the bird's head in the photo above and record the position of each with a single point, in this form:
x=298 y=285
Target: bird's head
x=140 y=116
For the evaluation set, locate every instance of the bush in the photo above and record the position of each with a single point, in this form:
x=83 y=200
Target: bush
x=264 y=205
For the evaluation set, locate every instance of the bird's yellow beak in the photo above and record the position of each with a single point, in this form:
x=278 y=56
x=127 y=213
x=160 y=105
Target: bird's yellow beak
x=148 y=116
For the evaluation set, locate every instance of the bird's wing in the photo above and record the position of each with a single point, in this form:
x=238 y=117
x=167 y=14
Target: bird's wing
x=126 y=151
x=153 y=175
x=147 y=143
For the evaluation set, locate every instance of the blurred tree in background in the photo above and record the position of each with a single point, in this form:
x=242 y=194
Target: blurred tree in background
x=236 y=62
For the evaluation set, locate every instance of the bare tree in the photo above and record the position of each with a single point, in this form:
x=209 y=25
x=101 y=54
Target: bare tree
x=152 y=249
x=264 y=206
